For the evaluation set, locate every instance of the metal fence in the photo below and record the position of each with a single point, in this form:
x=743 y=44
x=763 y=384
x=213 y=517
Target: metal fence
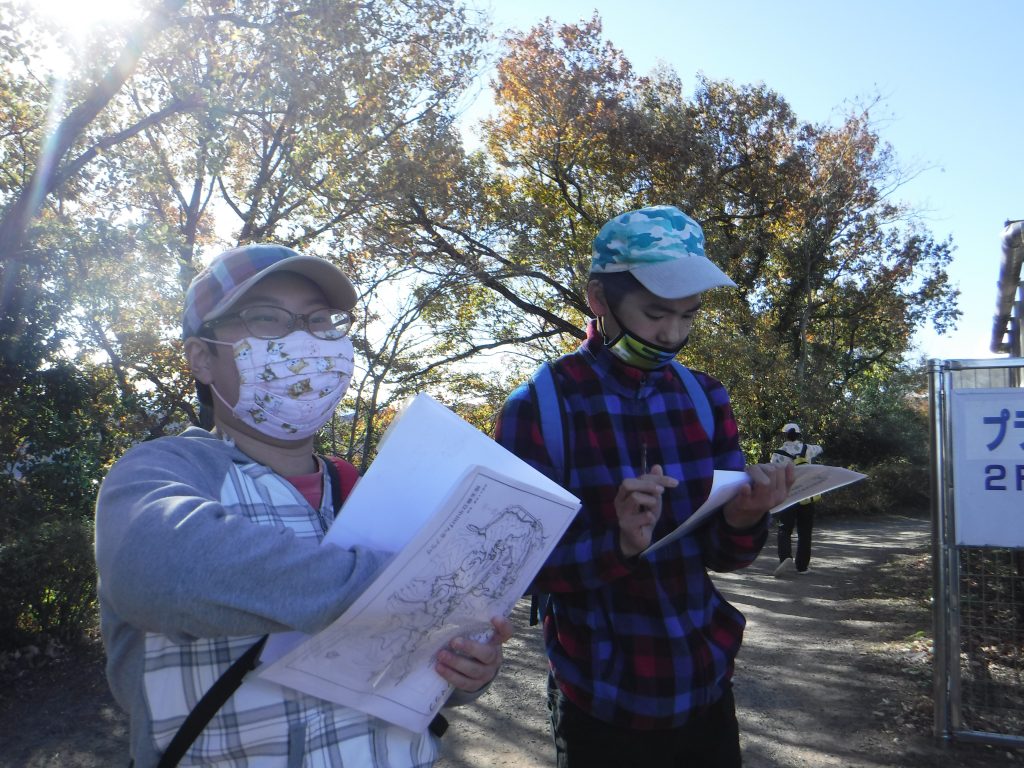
x=979 y=590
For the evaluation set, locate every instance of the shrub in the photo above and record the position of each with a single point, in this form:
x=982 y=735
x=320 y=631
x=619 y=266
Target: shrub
x=890 y=487
x=49 y=575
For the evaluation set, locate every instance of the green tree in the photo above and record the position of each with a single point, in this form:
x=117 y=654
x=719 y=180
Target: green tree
x=290 y=117
x=833 y=274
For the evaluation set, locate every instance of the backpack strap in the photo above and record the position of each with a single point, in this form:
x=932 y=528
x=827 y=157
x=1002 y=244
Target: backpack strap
x=552 y=426
x=343 y=479
x=554 y=430
x=699 y=398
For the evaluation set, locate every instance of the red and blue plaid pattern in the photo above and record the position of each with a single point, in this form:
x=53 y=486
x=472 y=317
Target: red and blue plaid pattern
x=216 y=285
x=638 y=643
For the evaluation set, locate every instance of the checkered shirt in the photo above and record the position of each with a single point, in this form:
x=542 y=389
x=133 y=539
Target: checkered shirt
x=259 y=725
x=638 y=642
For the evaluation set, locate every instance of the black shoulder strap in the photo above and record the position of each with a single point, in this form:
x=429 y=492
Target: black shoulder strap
x=229 y=682
x=207 y=707
x=343 y=480
x=335 y=475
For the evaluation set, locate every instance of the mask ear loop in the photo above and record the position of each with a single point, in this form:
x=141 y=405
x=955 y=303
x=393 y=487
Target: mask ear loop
x=233 y=409
x=604 y=333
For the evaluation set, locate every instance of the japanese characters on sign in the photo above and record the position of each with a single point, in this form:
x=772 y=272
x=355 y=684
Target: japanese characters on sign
x=988 y=466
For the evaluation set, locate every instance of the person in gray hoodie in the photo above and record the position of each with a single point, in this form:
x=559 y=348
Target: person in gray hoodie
x=208 y=540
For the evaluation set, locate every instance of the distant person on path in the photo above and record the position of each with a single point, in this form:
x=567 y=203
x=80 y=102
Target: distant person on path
x=209 y=540
x=801 y=515
x=642 y=649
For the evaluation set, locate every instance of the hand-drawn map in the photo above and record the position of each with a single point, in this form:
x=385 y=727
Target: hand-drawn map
x=471 y=562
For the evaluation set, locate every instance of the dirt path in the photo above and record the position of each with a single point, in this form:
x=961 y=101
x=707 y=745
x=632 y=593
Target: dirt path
x=818 y=683
x=827 y=677
x=809 y=688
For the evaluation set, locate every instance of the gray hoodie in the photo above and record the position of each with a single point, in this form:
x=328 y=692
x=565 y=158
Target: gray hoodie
x=200 y=551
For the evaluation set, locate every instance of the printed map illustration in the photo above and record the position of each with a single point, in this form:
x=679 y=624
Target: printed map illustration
x=474 y=559
x=470 y=570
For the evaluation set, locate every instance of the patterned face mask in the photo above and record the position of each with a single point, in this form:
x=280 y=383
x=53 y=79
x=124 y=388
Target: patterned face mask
x=289 y=387
x=636 y=352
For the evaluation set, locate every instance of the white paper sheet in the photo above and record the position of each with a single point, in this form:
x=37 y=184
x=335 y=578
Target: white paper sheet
x=724 y=486
x=808 y=480
x=423 y=454
x=472 y=561
x=816 y=479
x=413 y=500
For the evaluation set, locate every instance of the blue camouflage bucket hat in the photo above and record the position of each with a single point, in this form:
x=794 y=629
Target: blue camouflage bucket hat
x=662 y=247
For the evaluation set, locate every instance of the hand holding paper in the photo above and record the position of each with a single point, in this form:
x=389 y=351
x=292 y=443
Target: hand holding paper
x=769 y=485
x=470 y=663
x=808 y=480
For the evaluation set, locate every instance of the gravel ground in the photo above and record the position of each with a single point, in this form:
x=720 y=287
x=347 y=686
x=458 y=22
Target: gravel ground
x=834 y=672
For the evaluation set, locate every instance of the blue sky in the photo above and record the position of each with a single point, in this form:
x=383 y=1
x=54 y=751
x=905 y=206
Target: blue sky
x=949 y=73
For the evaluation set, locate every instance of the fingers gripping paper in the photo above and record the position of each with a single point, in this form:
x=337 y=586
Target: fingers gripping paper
x=470 y=523
x=808 y=480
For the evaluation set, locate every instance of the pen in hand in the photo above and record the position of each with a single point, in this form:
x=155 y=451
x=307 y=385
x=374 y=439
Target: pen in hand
x=643 y=460
x=644 y=466
x=638 y=502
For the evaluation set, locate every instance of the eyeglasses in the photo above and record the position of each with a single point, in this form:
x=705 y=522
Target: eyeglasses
x=266 y=322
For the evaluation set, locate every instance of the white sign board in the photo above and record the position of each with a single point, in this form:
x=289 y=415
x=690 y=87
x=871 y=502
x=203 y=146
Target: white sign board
x=988 y=467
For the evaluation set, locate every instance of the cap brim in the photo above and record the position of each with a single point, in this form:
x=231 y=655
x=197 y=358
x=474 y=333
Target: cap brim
x=681 y=277
x=338 y=290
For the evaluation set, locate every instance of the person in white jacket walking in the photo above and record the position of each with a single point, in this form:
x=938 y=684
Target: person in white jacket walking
x=801 y=516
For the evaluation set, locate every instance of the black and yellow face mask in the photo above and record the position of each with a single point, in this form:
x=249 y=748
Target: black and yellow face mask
x=636 y=352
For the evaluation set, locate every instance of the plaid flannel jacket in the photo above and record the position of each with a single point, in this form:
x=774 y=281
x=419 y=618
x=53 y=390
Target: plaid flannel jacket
x=643 y=642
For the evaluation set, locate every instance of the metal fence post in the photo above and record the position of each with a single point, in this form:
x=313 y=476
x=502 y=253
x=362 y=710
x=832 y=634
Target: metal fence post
x=978 y=588
x=940 y=601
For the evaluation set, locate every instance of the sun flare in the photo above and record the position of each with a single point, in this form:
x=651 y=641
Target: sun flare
x=80 y=16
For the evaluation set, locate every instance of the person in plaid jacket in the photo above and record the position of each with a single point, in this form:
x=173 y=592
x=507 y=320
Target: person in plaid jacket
x=642 y=648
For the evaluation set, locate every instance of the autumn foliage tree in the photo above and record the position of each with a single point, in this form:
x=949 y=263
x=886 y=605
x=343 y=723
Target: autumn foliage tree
x=833 y=274
x=333 y=127
x=200 y=125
